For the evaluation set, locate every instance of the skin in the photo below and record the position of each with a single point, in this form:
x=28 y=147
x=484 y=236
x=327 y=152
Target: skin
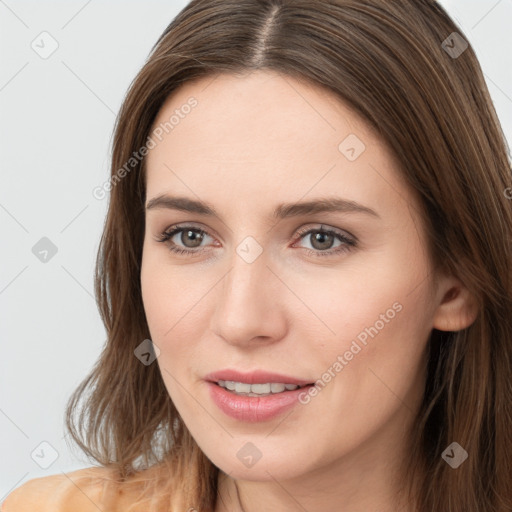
x=252 y=142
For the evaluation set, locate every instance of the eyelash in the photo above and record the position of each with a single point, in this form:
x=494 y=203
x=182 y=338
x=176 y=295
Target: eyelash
x=349 y=243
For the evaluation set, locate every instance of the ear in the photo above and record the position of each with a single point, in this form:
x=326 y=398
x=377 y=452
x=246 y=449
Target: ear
x=457 y=307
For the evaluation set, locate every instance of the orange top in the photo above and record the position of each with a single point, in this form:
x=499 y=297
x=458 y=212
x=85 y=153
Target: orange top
x=85 y=490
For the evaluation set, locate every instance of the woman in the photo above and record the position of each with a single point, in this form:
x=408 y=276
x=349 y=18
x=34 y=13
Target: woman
x=304 y=273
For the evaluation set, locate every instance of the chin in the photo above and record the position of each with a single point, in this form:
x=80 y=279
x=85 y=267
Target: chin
x=259 y=461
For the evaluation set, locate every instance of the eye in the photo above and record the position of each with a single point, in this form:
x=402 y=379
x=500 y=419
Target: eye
x=190 y=236
x=321 y=240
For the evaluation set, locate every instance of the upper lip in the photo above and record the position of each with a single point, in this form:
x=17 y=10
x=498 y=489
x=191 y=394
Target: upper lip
x=254 y=377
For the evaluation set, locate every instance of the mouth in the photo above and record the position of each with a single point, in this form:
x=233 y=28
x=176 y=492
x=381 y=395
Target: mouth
x=255 y=396
x=257 y=390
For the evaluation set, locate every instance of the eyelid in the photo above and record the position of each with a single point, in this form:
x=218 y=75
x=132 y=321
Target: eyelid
x=188 y=225
x=327 y=228
x=300 y=232
x=348 y=241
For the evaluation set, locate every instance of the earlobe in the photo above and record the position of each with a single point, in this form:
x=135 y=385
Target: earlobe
x=457 y=309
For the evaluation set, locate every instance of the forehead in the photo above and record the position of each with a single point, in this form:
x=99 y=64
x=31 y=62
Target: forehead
x=259 y=108
x=269 y=134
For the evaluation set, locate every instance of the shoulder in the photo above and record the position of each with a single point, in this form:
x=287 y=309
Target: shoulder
x=97 y=488
x=82 y=490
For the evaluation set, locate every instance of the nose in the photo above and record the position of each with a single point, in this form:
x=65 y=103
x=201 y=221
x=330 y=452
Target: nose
x=250 y=304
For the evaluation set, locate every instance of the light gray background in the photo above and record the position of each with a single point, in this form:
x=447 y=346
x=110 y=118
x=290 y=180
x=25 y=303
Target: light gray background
x=56 y=121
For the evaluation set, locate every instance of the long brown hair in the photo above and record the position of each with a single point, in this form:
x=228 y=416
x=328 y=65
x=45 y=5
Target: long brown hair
x=397 y=64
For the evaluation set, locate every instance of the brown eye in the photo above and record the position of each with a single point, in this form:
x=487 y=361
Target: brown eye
x=322 y=240
x=187 y=238
x=194 y=236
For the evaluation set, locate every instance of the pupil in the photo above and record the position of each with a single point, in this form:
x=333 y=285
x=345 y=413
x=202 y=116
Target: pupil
x=322 y=237
x=196 y=237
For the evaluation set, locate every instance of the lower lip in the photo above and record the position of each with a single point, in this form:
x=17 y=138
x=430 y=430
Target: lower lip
x=253 y=408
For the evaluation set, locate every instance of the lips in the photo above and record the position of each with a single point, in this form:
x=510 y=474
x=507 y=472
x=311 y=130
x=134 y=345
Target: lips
x=249 y=407
x=254 y=377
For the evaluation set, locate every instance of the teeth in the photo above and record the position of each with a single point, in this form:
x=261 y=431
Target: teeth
x=256 y=389
x=259 y=388
x=278 y=388
x=241 y=387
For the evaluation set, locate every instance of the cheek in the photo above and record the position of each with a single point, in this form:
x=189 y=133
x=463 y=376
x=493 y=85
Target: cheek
x=373 y=291
x=373 y=367
x=171 y=294
x=167 y=313
x=369 y=329
x=174 y=300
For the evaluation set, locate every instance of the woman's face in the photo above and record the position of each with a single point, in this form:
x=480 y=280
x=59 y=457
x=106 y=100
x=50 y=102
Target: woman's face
x=277 y=287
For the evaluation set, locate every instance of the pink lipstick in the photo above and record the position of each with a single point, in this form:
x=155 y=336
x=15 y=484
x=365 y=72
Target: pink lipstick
x=255 y=396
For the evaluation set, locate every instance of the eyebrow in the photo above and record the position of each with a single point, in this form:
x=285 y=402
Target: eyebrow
x=282 y=211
